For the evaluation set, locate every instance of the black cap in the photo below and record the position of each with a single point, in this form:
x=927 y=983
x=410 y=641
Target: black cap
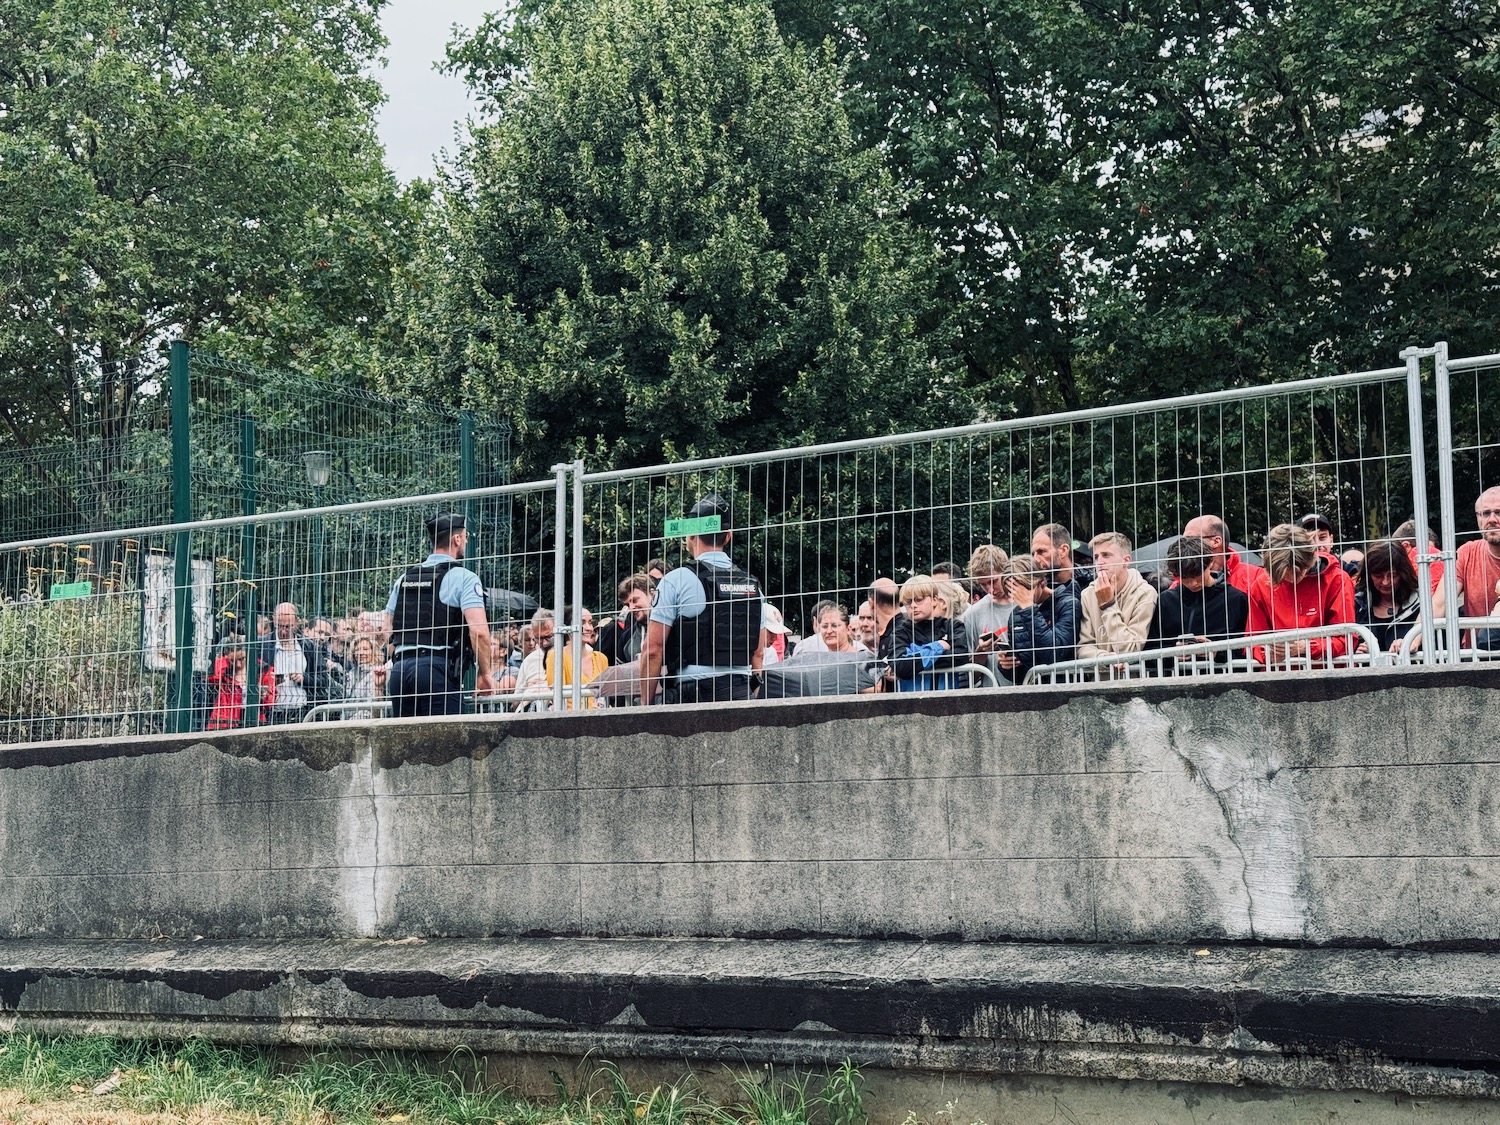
x=1315 y=520
x=444 y=524
x=711 y=505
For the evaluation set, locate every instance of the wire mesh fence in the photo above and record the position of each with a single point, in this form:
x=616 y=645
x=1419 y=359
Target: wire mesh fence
x=823 y=522
x=251 y=430
x=89 y=639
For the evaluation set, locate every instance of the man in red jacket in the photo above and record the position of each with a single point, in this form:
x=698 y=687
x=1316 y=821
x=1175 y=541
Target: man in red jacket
x=1301 y=588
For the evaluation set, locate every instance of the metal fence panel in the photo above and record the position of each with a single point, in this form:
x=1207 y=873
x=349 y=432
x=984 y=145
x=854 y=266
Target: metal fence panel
x=89 y=638
x=823 y=522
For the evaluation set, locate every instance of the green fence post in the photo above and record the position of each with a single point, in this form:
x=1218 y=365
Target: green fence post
x=247 y=571
x=182 y=512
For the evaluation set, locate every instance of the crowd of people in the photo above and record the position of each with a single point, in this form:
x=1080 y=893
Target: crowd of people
x=705 y=631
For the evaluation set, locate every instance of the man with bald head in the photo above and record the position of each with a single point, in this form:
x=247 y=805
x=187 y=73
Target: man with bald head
x=1477 y=566
x=1225 y=561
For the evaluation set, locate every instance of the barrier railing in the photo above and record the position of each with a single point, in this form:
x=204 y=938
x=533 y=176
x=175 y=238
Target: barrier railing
x=1202 y=658
x=94 y=628
x=1457 y=652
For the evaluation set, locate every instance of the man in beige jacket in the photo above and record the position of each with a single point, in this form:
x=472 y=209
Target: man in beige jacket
x=1118 y=606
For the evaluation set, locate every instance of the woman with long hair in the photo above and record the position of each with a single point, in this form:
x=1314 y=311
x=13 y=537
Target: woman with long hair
x=1387 y=599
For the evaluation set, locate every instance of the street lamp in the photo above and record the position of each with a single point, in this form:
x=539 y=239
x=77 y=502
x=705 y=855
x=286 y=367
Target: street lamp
x=318 y=464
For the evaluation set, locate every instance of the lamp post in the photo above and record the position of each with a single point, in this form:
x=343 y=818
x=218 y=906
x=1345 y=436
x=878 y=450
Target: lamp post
x=318 y=464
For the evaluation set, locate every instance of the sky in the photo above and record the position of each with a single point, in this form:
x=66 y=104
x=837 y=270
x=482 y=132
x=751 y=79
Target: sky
x=423 y=106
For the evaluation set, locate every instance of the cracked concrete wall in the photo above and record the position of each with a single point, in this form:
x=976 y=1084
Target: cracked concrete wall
x=1353 y=810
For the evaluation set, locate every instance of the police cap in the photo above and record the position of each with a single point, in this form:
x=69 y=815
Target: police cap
x=711 y=505
x=442 y=526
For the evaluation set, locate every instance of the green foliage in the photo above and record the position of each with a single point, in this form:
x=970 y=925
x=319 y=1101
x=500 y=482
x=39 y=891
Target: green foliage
x=183 y=168
x=1148 y=199
x=668 y=242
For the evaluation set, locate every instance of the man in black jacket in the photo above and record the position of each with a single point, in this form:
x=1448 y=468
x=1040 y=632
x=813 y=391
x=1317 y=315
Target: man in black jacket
x=302 y=668
x=1197 y=606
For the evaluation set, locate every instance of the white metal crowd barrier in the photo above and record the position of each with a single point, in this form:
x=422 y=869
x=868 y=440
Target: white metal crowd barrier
x=1442 y=652
x=348 y=709
x=1213 y=658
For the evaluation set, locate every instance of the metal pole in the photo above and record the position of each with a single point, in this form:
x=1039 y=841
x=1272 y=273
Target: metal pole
x=182 y=512
x=1447 y=519
x=559 y=593
x=466 y=466
x=578 y=584
x=251 y=716
x=1413 y=358
x=317 y=556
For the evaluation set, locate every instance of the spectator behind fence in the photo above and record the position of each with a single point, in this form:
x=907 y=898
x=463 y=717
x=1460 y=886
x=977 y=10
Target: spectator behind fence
x=986 y=620
x=532 y=675
x=301 y=668
x=834 y=631
x=885 y=601
x=1117 y=607
x=1477 y=571
x=1226 y=563
x=656 y=570
x=1199 y=606
x=926 y=641
x=706 y=625
x=366 y=680
x=1044 y=623
x=814 y=641
x=1406 y=535
x=1303 y=588
x=949 y=571
x=227 y=684
x=592 y=664
x=1320 y=527
x=1386 y=595
x=622 y=637
x=864 y=624
x=1052 y=551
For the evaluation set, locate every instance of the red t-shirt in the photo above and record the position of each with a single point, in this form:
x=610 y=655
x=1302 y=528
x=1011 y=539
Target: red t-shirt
x=1477 y=573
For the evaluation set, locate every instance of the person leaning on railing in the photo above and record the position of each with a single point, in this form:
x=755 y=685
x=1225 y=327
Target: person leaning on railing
x=1199 y=606
x=927 y=639
x=1117 y=607
x=1043 y=624
x=1303 y=588
x=1386 y=596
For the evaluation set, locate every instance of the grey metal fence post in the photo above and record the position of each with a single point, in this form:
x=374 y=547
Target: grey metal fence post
x=251 y=715
x=182 y=512
x=559 y=575
x=1447 y=519
x=1413 y=359
x=577 y=638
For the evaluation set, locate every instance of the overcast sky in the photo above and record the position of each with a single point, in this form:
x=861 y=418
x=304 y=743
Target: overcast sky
x=424 y=106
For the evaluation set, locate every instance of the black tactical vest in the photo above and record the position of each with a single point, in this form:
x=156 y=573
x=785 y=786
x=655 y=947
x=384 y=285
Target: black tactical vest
x=726 y=633
x=422 y=620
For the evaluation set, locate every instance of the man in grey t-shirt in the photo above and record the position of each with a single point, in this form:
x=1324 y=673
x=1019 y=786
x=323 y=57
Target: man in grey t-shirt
x=990 y=613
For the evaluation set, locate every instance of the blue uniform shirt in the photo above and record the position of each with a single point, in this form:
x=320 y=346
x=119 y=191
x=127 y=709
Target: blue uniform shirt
x=461 y=589
x=679 y=594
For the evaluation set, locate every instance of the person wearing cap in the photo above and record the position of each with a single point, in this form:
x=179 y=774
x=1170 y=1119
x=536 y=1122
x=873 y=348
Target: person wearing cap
x=438 y=627
x=1318 y=526
x=705 y=624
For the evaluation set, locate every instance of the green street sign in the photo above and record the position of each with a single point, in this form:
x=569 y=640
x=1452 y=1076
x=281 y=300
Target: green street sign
x=681 y=529
x=61 y=590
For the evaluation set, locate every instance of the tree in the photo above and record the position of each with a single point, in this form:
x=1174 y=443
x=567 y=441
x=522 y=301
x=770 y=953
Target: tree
x=182 y=168
x=668 y=242
x=1152 y=198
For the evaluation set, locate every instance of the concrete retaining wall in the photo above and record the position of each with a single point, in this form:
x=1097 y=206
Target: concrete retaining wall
x=1356 y=809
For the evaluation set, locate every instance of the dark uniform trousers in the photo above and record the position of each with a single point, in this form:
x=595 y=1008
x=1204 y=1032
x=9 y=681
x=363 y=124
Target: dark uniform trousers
x=425 y=683
x=711 y=689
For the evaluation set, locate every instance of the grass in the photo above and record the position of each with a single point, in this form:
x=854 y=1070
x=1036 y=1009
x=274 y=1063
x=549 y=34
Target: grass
x=52 y=1082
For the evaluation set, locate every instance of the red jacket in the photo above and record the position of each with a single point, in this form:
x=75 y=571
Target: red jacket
x=1240 y=574
x=1324 y=597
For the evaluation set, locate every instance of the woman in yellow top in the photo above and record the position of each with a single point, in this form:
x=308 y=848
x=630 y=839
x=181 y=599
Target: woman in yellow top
x=593 y=663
